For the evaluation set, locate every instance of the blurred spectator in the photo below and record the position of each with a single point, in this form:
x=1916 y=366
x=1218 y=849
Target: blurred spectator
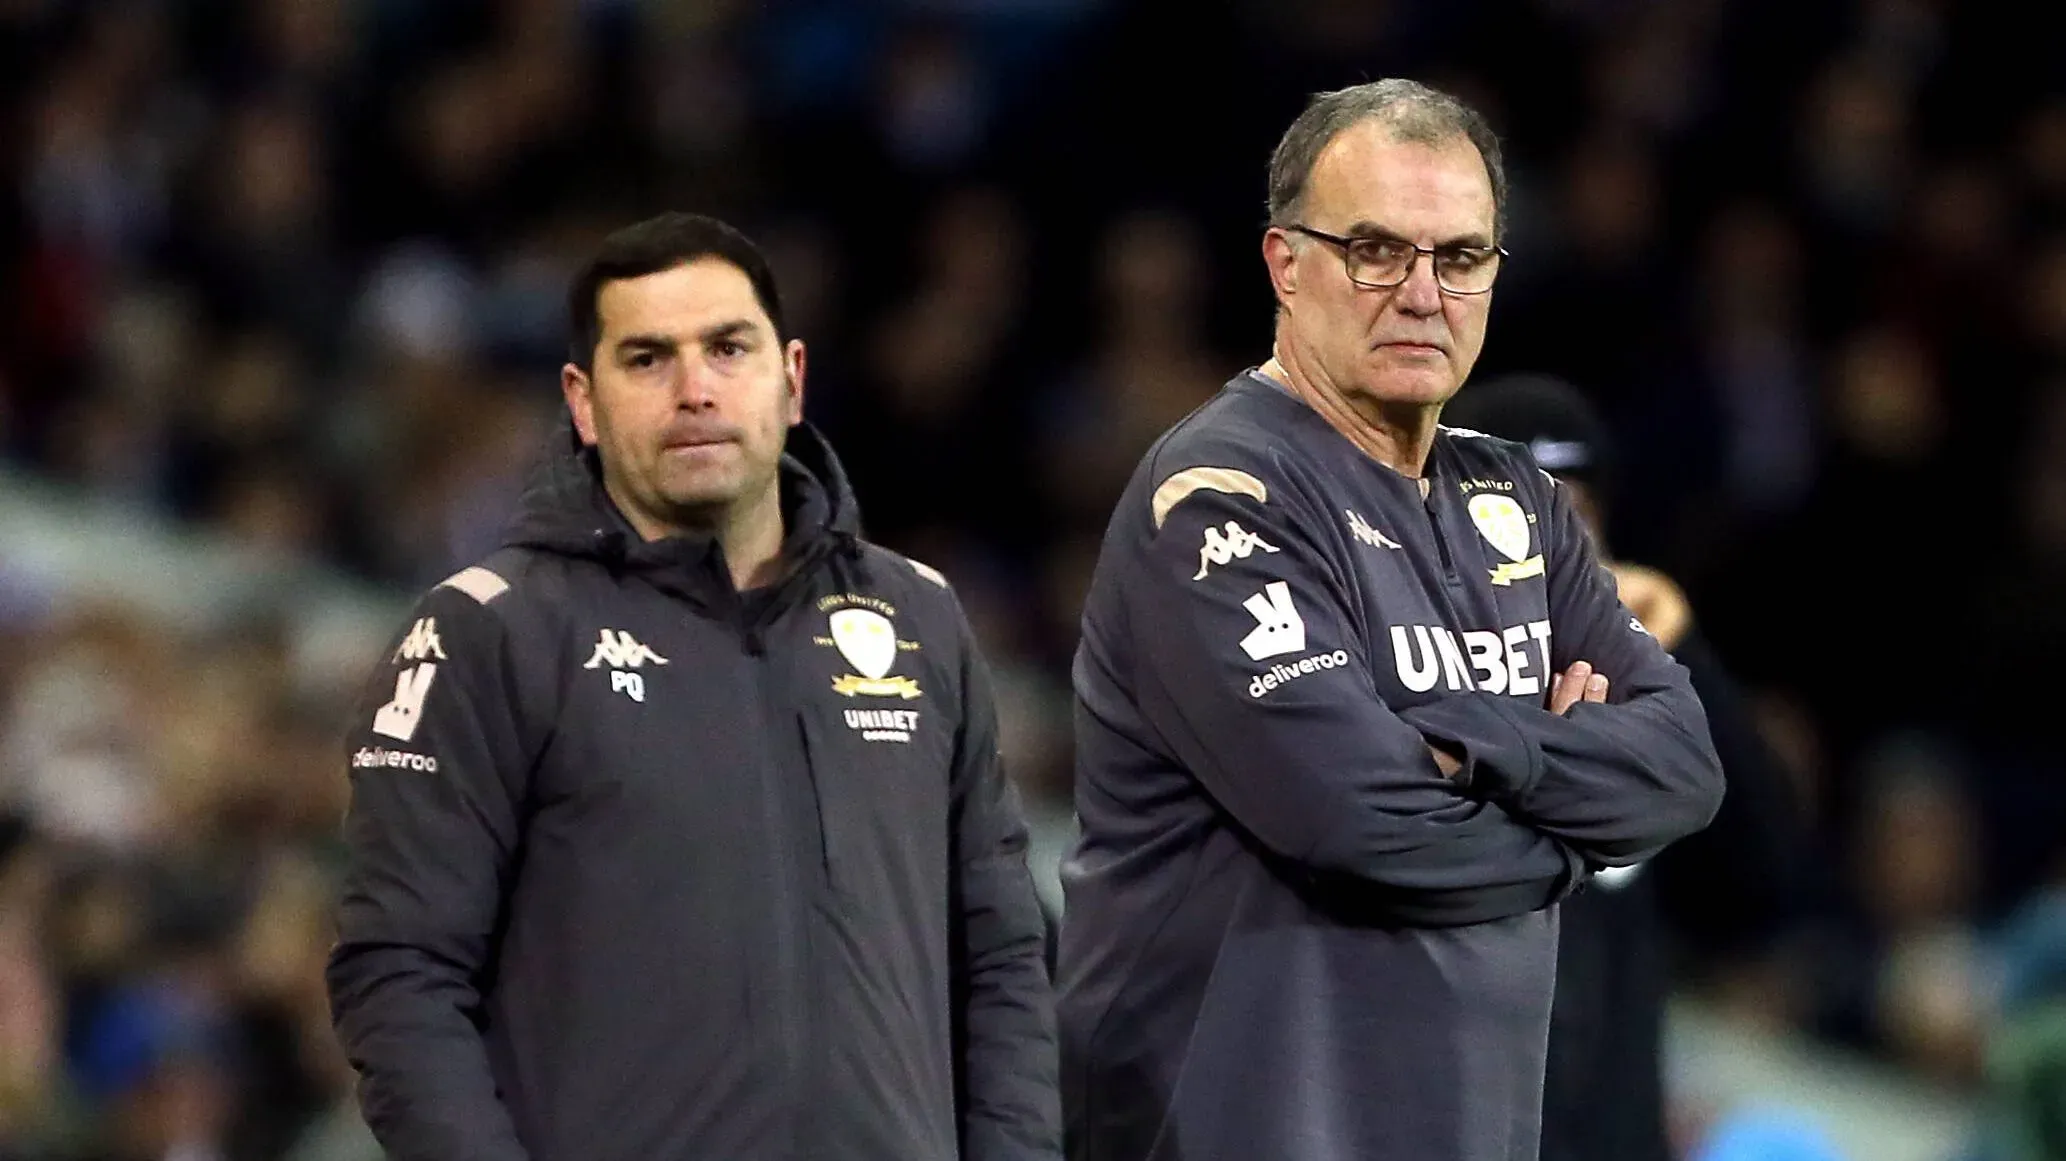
x=1855 y=148
x=1914 y=982
x=258 y=236
x=2027 y=1047
x=1154 y=362
x=31 y=1012
x=76 y=750
x=948 y=372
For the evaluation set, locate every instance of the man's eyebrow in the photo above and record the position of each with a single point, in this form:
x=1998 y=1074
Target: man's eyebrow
x=646 y=342
x=656 y=341
x=729 y=329
x=1364 y=228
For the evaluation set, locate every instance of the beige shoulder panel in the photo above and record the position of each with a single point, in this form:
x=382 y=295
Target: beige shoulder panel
x=927 y=571
x=1233 y=481
x=479 y=583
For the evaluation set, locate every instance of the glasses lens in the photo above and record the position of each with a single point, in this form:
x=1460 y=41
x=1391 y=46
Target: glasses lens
x=1378 y=261
x=1466 y=271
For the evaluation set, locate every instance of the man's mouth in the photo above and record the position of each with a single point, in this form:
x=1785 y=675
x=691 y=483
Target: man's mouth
x=691 y=442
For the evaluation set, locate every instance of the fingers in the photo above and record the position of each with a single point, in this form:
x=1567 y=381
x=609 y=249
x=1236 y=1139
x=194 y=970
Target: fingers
x=1569 y=686
x=1576 y=684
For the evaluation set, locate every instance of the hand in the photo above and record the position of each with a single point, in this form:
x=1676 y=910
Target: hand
x=1447 y=761
x=1656 y=600
x=1576 y=684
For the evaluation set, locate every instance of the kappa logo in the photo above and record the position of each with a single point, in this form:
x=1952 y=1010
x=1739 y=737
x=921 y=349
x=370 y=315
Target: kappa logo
x=1278 y=627
x=1505 y=526
x=1362 y=531
x=399 y=718
x=422 y=642
x=618 y=650
x=1234 y=544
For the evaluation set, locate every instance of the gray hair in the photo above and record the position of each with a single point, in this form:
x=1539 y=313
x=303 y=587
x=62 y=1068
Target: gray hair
x=1412 y=111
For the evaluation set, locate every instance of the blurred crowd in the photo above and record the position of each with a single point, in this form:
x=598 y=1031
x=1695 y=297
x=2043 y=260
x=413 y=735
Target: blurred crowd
x=292 y=272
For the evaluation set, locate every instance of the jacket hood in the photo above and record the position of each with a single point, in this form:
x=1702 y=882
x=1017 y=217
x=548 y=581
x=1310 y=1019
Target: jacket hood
x=565 y=509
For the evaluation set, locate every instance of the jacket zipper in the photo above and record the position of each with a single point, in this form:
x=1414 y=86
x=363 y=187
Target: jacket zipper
x=1430 y=507
x=798 y=826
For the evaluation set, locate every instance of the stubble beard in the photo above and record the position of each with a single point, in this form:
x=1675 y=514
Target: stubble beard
x=714 y=501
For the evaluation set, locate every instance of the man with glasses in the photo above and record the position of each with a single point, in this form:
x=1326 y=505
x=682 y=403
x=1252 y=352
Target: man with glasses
x=1356 y=707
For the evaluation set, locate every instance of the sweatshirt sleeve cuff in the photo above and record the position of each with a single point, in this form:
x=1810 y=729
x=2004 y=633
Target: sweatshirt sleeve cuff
x=1500 y=761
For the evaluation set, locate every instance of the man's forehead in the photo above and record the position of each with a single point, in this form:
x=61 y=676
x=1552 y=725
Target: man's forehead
x=681 y=297
x=1368 y=174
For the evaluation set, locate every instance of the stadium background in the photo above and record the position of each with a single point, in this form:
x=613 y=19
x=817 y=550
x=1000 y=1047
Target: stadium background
x=281 y=311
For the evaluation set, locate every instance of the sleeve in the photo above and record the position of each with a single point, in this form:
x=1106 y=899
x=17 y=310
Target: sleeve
x=1617 y=781
x=1251 y=668
x=1007 y=1083
x=430 y=837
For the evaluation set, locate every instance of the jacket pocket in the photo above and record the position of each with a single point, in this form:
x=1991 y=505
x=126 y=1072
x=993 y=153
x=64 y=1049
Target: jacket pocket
x=880 y=777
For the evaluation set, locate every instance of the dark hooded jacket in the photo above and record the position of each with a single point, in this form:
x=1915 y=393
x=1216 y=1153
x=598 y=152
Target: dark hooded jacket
x=642 y=868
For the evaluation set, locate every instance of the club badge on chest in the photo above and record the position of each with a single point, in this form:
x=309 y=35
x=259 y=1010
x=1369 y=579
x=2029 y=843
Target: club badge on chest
x=867 y=640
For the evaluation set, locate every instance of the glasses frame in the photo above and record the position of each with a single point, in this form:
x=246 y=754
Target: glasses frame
x=1343 y=244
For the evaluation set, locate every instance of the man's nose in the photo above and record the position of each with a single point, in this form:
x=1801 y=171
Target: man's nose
x=1420 y=295
x=695 y=388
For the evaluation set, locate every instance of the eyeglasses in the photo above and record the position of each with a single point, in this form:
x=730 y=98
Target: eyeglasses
x=1380 y=263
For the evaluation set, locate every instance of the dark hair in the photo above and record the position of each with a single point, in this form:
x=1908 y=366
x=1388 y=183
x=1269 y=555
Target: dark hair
x=1412 y=111
x=656 y=244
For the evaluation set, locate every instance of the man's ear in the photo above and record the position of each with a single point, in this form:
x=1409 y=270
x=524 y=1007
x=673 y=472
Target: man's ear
x=1281 y=258
x=579 y=390
x=793 y=366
